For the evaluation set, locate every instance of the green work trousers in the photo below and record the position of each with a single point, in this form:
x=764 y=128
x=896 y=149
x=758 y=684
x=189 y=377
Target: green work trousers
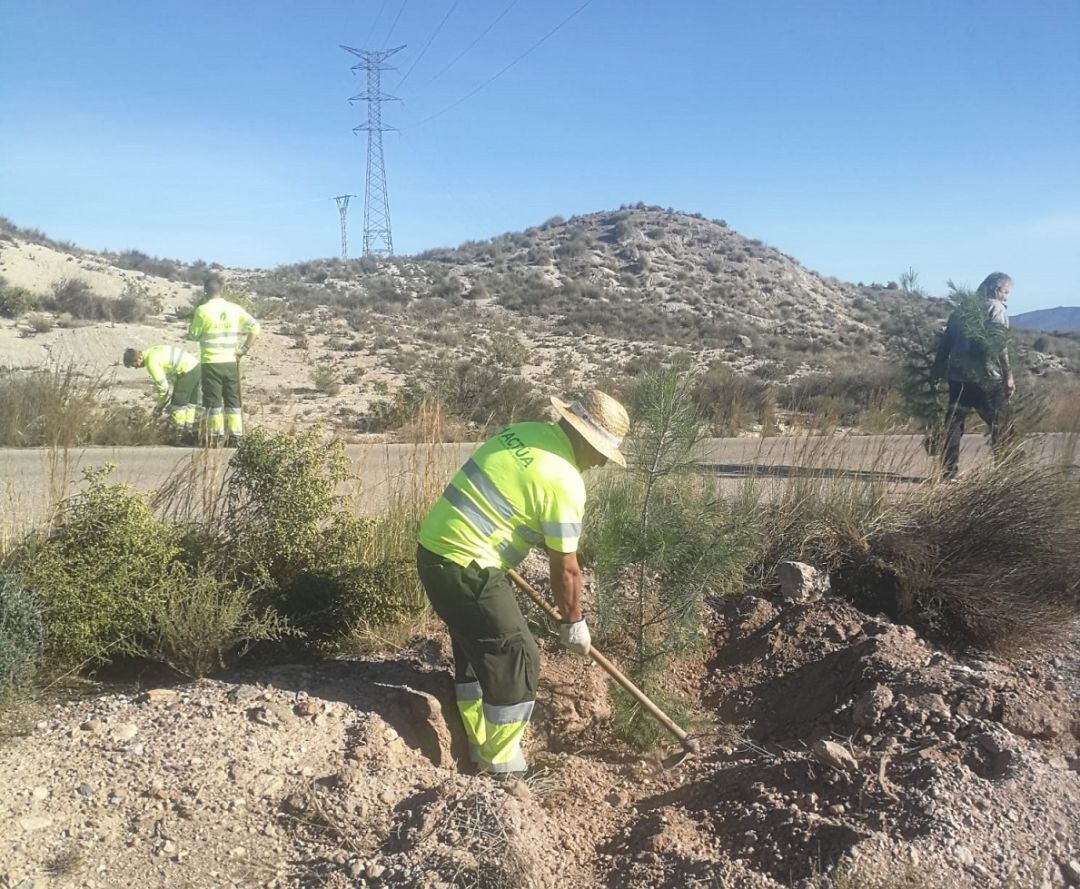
x=496 y=661
x=185 y=397
x=221 y=398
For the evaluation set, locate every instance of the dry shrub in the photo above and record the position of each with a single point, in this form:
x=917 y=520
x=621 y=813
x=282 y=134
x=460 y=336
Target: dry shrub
x=202 y=625
x=59 y=406
x=990 y=558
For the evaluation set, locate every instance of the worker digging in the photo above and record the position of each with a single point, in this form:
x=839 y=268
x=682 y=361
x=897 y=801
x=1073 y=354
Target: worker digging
x=217 y=326
x=522 y=488
x=176 y=376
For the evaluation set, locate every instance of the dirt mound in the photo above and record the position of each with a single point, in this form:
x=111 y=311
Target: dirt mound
x=845 y=738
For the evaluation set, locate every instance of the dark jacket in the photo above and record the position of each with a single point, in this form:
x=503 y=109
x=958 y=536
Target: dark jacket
x=963 y=355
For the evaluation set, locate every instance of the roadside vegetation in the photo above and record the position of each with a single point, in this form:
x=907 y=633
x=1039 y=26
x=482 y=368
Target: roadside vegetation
x=267 y=552
x=61 y=407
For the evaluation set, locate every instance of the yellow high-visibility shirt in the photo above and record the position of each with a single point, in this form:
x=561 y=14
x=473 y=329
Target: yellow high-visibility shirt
x=217 y=325
x=522 y=488
x=165 y=364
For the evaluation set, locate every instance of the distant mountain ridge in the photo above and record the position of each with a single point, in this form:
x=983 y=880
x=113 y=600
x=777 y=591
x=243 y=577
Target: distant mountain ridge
x=1062 y=319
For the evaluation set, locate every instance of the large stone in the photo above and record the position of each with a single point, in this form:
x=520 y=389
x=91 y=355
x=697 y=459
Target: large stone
x=832 y=754
x=125 y=731
x=871 y=706
x=35 y=822
x=800 y=582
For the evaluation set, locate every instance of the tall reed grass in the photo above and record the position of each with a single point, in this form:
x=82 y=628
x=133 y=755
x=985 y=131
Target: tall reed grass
x=60 y=406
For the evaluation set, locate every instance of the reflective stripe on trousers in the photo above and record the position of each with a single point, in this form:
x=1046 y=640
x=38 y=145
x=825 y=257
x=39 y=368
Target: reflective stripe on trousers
x=215 y=421
x=494 y=732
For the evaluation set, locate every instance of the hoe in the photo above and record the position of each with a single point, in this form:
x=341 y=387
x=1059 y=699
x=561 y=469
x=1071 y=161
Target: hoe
x=689 y=745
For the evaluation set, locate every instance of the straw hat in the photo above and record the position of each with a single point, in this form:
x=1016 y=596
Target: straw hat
x=600 y=419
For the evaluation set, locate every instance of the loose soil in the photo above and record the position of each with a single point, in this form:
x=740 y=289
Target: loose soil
x=352 y=773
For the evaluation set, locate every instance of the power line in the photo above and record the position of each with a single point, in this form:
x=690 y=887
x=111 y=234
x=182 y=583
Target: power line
x=401 y=9
x=434 y=34
x=502 y=70
x=374 y=22
x=461 y=54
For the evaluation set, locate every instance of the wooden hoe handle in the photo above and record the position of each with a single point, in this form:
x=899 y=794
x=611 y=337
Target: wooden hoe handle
x=607 y=666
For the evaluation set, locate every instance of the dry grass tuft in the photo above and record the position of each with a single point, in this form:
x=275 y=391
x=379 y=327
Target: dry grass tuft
x=990 y=558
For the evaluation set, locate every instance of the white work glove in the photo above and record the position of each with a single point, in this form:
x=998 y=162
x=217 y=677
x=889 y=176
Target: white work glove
x=574 y=636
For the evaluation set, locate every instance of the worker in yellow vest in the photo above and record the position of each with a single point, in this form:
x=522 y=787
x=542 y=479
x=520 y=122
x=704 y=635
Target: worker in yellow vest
x=218 y=325
x=176 y=382
x=522 y=488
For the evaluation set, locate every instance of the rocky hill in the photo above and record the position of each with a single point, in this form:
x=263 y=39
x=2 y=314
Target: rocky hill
x=1063 y=319
x=494 y=325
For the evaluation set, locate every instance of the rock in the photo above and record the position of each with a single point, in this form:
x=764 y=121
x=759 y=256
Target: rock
x=242 y=693
x=871 y=706
x=963 y=856
x=40 y=793
x=263 y=716
x=800 y=582
x=35 y=822
x=1071 y=871
x=270 y=785
x=93 y=726
x=832 y=754
x=356 y=869
x=125 y=731
x=742 y=342
x=1033 y=719
x=307 y=708
x=619 y=798
x=519 y=789
x=158 y=696
x=85 y=790
x=374 y=870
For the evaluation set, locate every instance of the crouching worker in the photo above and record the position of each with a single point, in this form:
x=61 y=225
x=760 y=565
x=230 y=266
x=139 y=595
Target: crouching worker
x=522 y=488
x=176 y=381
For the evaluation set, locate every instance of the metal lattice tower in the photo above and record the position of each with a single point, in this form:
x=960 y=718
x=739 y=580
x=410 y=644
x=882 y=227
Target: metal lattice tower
x=343 y=207
x=377 y=237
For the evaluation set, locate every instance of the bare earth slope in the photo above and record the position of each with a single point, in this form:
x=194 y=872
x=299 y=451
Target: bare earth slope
x=351 y=773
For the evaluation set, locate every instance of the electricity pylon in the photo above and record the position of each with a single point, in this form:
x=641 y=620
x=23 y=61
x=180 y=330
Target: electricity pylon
x=343 y=206
x=377 y=237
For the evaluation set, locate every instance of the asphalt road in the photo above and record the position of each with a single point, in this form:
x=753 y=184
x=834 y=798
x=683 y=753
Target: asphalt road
x=31 y=479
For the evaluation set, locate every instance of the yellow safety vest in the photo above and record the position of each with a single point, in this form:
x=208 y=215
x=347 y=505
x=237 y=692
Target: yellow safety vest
x=217 y=325
x=165 y=364
x=522 y=488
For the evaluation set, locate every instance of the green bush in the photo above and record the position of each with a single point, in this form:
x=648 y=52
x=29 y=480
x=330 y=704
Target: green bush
x=508 y=350
x=287 y=531
x=326 y=379
x=76 y=298
x=201 y=624
x=21 y=636
x=16 y=301
x=100 y=572
x=281 y=493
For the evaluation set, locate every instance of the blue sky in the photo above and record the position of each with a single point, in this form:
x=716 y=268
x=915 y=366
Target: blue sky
x=861 y=138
